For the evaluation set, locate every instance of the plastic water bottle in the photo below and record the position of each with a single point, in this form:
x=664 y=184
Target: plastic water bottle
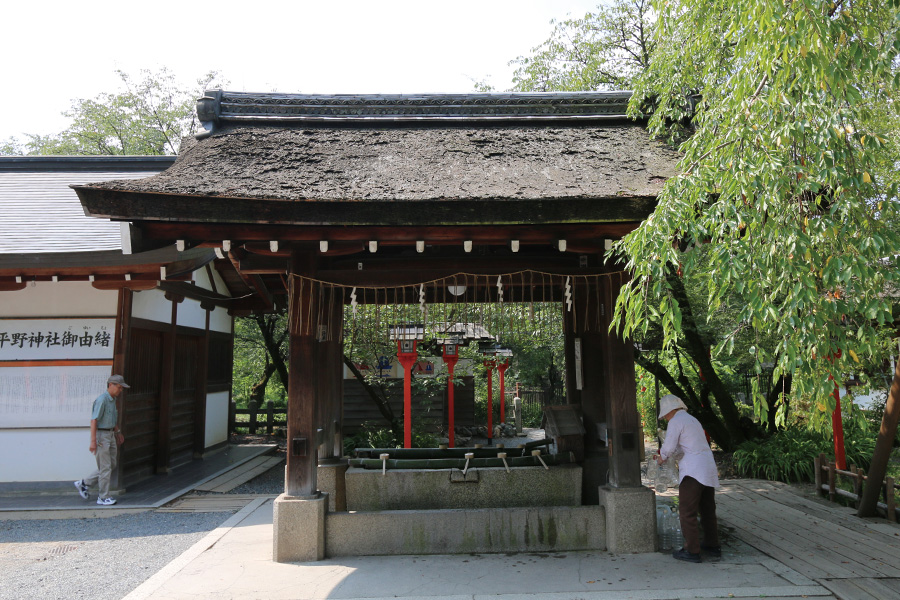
x=662 y=513
x=675 y=520
x=652 y=469
x=662 y=477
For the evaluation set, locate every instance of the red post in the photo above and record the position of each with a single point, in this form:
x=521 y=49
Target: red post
x=501 y=368
x=407 y=360
x=837 y=424
x=450 y=361
x=490 y=407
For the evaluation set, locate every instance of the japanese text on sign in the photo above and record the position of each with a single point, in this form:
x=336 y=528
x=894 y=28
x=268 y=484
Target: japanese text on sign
x=56 y=339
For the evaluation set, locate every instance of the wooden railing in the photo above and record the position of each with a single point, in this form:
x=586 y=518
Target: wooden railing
x=827 y=475
x=268 y=420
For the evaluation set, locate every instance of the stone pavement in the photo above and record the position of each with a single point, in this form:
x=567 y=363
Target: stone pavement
x=235 y=561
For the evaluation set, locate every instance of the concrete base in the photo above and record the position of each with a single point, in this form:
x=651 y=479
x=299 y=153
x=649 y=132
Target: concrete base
x=533 y=529
x=630 y=519
x=299 y=528
x=330 y=480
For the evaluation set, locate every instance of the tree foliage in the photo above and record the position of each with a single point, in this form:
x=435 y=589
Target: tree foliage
x=604 y=50
x=149 y=117
x=788 y=182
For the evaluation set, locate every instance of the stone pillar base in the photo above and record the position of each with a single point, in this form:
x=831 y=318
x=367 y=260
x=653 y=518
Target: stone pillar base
x=299 y=528
x=630 y=519
x=330 y=479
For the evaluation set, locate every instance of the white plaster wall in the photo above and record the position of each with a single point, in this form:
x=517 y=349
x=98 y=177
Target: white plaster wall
x=220 y=320
x=191 y=315
x=62 y=299
x=216 y=418
x=45 y=454
x=151 y=305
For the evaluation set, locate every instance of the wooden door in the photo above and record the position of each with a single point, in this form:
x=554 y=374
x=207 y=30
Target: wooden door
x=184 y=399
x=142 y=404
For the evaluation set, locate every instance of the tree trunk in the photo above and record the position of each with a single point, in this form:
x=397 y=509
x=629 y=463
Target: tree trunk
x=883 y=445
x=782 y=386
x=707 y=417
x=380 y=401
x=273 y=339
x=258 y=391
x=698 y=350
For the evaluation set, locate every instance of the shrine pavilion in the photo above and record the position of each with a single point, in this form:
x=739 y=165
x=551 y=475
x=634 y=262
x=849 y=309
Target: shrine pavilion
x=319 y=201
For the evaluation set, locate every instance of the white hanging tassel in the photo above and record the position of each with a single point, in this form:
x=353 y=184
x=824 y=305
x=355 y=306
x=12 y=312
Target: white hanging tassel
x=499 y=288
x=422 y=297
x=353 y=302
x=569 y=294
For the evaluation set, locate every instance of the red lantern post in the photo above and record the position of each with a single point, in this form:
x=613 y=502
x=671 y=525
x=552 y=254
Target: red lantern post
x=489 y=363
x=451 y=356
x=407 y=337
x=501 y=368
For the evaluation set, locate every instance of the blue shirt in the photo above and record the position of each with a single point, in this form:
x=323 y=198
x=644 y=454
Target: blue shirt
x=105 y=412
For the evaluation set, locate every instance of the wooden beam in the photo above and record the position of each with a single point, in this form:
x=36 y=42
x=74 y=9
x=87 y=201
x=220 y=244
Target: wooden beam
x=212 y=234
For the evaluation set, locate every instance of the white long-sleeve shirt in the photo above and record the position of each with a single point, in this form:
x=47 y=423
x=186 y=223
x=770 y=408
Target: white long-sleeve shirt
x=686 y=442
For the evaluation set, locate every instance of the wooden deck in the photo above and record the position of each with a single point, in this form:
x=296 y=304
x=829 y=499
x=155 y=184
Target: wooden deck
x=857 y=559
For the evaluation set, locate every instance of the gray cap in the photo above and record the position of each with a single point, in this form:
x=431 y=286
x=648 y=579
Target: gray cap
x=118 y=380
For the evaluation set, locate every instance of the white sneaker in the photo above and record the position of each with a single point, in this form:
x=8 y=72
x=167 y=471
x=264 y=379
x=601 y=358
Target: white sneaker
x=106 y=501
x=82 y=489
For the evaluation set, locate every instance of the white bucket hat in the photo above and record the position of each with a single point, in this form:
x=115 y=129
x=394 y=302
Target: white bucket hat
x=668 y=403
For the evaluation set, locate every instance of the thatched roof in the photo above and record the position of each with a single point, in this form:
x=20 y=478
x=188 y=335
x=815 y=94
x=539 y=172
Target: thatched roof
x=557 y=168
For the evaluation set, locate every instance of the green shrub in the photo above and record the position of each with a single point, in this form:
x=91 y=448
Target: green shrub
x=789 y=454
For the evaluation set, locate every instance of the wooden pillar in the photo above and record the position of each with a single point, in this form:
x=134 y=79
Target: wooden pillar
x=200 y=394
x=331 y=383
x=121 y=337
x=623 y=421
x=584 y=360
x=167 y=389
x=302 y=379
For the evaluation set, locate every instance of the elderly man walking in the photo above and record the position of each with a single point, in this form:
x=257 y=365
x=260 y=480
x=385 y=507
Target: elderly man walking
x=699 y=478
x=105 y=440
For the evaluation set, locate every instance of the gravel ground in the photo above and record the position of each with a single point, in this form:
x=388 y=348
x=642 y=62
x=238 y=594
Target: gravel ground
x=104 y=558
x=97 y=559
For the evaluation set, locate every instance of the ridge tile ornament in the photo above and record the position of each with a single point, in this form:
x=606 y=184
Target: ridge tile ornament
x=217 y=106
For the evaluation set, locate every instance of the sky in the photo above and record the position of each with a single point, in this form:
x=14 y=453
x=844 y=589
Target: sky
x=57 y=51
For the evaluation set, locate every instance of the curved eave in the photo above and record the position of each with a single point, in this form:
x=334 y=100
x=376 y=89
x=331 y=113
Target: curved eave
x=149 y=206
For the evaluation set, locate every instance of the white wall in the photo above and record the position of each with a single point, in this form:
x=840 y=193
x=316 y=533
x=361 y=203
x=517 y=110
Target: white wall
x=52 y=454
x=151 y=305
x=62 y=299
x=216 y=418
x=191 y=315
x=45 y=454
x=220 y=320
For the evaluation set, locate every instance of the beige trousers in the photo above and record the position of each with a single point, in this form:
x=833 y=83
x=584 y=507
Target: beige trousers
x=107 y=455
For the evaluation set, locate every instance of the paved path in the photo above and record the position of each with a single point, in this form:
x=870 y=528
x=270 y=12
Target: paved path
x=776 y=544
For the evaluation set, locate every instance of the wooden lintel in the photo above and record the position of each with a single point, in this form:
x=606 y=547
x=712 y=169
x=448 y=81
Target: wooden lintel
x=137 y=285
x=12 y=286
x=212 y=234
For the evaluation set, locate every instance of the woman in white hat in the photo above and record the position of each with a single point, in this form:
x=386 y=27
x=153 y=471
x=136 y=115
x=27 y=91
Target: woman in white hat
x=686 y=442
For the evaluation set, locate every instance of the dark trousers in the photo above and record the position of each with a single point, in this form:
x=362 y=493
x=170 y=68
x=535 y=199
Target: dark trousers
x=694 y=497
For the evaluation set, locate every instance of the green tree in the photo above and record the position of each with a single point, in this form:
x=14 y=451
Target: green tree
x=608 y=49
x=149 y=117
x=786 y=181
x=604 y=50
